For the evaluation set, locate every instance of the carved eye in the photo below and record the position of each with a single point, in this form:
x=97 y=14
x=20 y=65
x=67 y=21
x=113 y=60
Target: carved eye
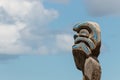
x=84 y=33
x=75 y=36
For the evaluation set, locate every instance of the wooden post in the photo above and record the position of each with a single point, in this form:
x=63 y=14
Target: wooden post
x=86 y=49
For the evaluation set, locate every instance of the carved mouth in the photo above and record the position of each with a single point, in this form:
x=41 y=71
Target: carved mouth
x=85 y=40
x=84 y=44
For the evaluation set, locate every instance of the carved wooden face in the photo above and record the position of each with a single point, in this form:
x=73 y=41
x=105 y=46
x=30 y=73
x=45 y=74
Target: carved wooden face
x=87 y=42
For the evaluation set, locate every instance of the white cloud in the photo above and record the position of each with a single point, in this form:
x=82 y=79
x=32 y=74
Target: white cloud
x=103 y=7
x=64 y=42
x=28 y=18
x=10 y=33
x=16 y=7
x=23 y=31
x=9 y=38
x=58 y=43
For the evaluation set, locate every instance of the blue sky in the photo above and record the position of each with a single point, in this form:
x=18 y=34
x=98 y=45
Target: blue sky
x=36 y=38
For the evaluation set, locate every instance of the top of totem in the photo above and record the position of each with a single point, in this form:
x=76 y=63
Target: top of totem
x=92 y=28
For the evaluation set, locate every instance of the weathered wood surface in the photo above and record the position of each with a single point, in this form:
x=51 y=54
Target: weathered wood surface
x=86 y=49
x=92 y=69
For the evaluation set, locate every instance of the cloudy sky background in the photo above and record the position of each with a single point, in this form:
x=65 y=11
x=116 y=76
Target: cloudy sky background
x=36 y=38
x=25 y=28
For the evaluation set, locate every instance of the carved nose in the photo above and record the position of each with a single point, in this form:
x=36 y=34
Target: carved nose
x=84 y=33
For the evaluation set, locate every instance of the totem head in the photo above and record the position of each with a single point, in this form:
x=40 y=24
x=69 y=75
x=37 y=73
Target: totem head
x=87 y=42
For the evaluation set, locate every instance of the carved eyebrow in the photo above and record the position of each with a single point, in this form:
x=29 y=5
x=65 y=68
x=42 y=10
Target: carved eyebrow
x=80 y=27
x=84 y=31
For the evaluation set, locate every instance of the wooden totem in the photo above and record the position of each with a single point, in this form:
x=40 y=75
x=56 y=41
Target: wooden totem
x=86 y=49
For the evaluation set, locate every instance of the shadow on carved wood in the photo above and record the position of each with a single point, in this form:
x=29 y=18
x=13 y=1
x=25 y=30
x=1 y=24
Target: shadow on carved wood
x=86 y=49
